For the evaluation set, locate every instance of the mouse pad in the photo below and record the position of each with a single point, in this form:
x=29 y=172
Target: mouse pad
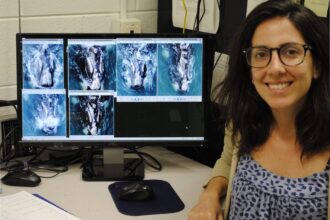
x=165 y=199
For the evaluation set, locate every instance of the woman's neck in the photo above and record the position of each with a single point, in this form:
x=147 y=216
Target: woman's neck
x=284 y=123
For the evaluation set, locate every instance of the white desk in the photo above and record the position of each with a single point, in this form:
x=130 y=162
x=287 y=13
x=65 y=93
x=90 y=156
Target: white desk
x=92 y=200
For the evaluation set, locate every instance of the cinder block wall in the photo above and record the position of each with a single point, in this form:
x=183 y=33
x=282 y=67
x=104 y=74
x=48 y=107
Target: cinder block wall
x=59 y=16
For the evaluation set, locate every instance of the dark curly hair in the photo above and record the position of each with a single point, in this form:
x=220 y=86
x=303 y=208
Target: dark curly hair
x=247 y=113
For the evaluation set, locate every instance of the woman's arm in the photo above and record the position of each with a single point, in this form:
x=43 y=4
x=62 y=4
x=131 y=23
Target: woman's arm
x=209 y=203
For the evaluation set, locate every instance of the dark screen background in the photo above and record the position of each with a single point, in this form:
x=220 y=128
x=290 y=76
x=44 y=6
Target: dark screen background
x=161 y=119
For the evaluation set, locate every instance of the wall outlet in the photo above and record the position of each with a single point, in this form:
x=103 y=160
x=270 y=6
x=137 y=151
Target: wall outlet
x=127 y=25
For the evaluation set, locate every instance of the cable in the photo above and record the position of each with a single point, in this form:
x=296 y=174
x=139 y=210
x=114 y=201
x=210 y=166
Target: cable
x=199 y=18
x=39 y=168
x=185 y=16
x=146 y=158
x=199 y=21
x=57 y=166
x=132 y=169
x=216 y=62
x=38 y=154
x=4 y=103
x=196 y=22
x=89 y=157
x=63 y=161
x=17 y=166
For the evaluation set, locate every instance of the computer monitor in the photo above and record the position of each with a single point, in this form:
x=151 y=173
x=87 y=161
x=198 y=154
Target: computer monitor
x=112 y=91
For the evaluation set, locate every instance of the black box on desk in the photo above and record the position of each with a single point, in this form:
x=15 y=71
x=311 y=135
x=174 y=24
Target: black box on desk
x=9 y=138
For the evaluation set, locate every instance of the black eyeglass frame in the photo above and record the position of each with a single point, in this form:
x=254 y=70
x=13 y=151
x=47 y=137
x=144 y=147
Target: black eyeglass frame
x=305 y=46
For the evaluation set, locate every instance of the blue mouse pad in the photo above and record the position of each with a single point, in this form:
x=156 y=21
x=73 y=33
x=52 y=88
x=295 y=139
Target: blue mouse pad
x=165 y=199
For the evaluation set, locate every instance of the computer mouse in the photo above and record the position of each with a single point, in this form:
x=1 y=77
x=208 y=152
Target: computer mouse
x=136 y=191
x=21 y=178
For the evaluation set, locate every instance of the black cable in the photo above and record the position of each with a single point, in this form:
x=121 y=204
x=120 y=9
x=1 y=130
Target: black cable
x=196 y=22
x=4 y=103
x=15 y=107
x=203 y=12
x=38 y=154
x=73 y=158
x=38 y=165
x=198 y=18
x=128 y=166
x=146 y=158
x=44 y=169
x=63 y=161
x=15 y=165
x=216 y=62
x=48 y=165
x=89 y=157
x=144 y=155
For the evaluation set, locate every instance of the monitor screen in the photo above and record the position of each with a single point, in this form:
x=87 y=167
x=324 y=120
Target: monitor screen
x=113 y=89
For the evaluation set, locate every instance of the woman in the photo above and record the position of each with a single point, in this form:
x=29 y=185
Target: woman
x=277 y=106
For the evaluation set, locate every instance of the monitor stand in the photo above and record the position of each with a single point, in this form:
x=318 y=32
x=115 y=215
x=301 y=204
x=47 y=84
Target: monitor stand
x=111 y=165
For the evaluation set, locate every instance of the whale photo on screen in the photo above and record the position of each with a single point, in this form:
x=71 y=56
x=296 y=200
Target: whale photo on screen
x=91 y=65
x=43 y=65
x=136 y=69
x=44 y=114
x=91 y=115
x=180 y=69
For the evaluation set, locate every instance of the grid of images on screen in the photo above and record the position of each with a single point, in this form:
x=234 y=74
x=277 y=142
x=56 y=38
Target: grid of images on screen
x=101 y=72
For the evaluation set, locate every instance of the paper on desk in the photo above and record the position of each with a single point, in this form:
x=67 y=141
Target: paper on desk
x=25 y=206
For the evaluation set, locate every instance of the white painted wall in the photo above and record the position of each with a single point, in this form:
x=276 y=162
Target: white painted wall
x=59 y=16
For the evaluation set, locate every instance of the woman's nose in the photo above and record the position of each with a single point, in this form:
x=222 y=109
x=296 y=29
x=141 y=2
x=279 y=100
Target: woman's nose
x=275 y=65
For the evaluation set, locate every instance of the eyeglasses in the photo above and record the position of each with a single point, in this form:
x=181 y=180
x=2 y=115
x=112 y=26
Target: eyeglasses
x=290 y=54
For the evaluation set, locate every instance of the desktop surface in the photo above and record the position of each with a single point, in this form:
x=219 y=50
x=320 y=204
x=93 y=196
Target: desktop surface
x=92 y=200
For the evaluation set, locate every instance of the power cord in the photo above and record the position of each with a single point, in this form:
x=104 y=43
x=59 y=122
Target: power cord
x=51 y=165
x=185 y=16
x=198 y=19
x=216 y=62
x=146 y=158
x=56 y=165
x=93 y=168
x=4 y=103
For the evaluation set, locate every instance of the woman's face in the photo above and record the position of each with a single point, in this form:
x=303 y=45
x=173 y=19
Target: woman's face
x=281 y=86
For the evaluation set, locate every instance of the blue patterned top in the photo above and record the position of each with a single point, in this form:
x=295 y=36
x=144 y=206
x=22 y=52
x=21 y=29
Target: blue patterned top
x=260 y=194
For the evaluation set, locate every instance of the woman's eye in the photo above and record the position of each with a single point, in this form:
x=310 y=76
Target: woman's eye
x=260 y=54
x=292 y=51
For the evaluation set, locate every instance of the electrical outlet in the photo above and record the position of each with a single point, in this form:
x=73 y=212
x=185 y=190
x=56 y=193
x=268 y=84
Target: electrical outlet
x=127 y=25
